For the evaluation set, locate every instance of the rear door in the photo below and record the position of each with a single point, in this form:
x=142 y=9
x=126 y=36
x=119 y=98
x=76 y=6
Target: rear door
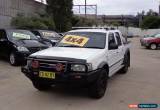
x=120 y=47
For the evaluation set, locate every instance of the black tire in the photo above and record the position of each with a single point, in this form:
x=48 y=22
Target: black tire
x=41 y=86
x=97 y=89
x=124 y=70
x=13 y=59
x=153 y=46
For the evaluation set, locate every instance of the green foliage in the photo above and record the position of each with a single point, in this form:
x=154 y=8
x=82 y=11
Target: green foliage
x=115 y=23
x=150 y=22
x=35 y=22
x=61 y=10
x=82 y=21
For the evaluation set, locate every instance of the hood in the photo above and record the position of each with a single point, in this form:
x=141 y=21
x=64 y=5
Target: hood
x=67 y=52
x=53 y=38
x=29 y=43
x=148 y=38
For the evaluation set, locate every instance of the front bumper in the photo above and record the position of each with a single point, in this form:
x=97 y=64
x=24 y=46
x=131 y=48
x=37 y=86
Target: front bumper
x=22 y=56
x=144 y=43
x=82 y=79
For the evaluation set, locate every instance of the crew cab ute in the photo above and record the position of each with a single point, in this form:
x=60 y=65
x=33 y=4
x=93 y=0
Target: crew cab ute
x=152 y=42
x=86 y=57
x=17 y=45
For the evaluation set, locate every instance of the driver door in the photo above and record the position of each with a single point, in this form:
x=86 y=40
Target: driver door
x=112 y=54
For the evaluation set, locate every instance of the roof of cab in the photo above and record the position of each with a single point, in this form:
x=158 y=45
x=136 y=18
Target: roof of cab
x=94 y=30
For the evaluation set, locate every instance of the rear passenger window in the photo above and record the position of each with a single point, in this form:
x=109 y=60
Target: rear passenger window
x=118 y=39
x=35 y=33
x=157 y=36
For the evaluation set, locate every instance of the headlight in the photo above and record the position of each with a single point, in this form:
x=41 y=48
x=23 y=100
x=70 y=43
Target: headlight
x=22 y=49
x=29 y=62
x=89 y=65
x=78 y=68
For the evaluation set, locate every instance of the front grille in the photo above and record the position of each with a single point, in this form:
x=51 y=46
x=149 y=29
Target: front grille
x=55 y=66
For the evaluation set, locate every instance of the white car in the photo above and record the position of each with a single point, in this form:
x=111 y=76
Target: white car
x=86 y=57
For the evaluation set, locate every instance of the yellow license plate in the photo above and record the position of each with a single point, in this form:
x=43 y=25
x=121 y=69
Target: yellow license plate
x=45 y=74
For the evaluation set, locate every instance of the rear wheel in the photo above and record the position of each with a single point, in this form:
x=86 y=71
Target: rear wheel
x=153 y=46
x=124 y=70
x=41 y=86
x=97 y=89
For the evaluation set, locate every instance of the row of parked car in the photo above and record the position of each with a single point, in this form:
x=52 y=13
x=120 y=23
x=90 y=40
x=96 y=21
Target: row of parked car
x=151 y=41
x=17 y=44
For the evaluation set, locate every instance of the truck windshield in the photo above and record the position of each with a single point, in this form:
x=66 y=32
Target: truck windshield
x=84 y=40
x=21 y=35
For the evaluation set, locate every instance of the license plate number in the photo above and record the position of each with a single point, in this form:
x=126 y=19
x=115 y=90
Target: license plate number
x=48 y=75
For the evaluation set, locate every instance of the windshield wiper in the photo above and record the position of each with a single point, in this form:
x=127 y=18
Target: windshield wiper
x=22 y=39
x=27 y=39
x=95 y=47
x=70 y=46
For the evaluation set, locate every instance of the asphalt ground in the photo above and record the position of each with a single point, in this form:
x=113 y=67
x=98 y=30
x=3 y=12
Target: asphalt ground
x=140 y=85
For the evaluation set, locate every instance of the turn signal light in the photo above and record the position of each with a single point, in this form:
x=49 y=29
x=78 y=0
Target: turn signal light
x=35 y=64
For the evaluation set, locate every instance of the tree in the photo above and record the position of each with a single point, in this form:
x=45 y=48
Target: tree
x=150 y=22
x=152 y=13
x=34 y=22
x=61 y=10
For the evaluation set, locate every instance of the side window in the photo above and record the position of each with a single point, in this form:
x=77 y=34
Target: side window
x=2 y=34
x=157 y=36
x=118 y=39
x=111 y=40
x=36 y=33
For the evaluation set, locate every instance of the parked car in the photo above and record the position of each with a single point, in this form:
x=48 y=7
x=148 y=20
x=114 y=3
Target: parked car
x=130 y=35
x=16 y=45
x=152 y=42
x=50 y=37
x=86 y=57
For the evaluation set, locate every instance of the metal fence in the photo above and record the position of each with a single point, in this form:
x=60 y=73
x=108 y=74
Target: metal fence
x=138 y=31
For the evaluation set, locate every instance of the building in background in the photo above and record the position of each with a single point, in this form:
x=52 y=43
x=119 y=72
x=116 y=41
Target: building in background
x=10 y=9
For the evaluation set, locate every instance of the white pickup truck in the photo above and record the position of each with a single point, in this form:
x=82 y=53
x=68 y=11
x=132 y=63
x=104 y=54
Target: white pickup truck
x=86 y=57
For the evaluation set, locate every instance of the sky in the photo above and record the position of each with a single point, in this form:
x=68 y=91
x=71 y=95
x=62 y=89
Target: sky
x=117 y=7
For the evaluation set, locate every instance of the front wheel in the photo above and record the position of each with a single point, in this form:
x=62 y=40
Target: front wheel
x=97 y=89
x=153 y=46
x=13 y=59
x=41 y=86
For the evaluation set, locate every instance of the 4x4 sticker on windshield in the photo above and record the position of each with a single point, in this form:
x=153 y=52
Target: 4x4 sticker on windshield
x=21 y=36
x=75 y=40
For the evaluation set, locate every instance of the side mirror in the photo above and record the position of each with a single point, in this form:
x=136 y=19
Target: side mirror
x=113 y=46
x=3 y=40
